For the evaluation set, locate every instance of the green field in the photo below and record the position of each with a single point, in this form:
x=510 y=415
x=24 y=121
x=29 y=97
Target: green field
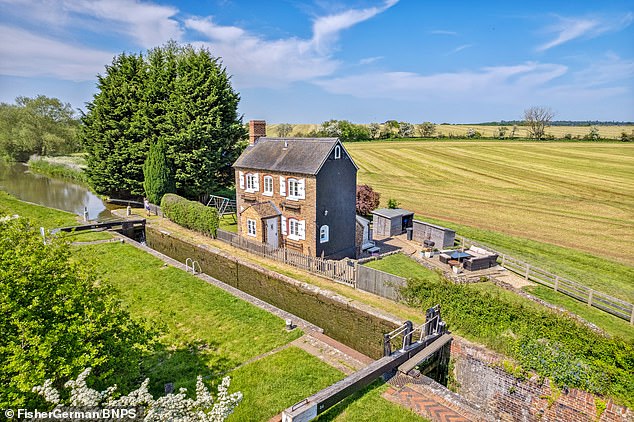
x=449 y=130
x=578 y=197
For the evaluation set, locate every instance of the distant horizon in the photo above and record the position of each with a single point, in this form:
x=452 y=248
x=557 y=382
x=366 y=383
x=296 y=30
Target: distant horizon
x=356 y=60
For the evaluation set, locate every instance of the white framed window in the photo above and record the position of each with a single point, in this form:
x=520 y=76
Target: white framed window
x=296 y=189
x=253 y=184
x=296 y=229
x=268 y=186
x=251 y=227
x=284 y=226
x=282 y=186
x=337 y=152
x=324 y=234
x=241 y=179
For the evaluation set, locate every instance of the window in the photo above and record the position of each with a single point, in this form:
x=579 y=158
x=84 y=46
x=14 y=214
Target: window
x=268 y=186
x=323 y=234
x=296 y=189
x=337 y=152
x=252 y=182
x=251 y=227
x=296 y=229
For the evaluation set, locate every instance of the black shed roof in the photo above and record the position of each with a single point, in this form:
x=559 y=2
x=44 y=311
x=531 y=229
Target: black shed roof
x=292 y=155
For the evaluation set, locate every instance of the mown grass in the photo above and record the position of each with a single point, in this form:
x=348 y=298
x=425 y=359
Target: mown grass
x=216 y=328
x=362 y=406
x=603 y=274
x=48 y=218
x=547 y=342
x=578 y=196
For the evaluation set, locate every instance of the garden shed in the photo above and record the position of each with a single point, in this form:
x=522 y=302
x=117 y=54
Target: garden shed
x=391 y=222
x=441 y=236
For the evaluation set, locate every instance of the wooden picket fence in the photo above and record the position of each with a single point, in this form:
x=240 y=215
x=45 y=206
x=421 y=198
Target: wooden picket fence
x=346 y=271
x=573 y=289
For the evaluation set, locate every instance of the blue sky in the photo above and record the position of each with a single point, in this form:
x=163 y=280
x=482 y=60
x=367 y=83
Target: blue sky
x=364 y=61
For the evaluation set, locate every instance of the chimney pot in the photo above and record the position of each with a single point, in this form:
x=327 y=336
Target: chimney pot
x=257 y=129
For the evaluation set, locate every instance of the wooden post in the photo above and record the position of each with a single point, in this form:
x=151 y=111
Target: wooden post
x=590 y=294
x=528 y=269
x=556 y=283
x=503 y=259
x=632 y=317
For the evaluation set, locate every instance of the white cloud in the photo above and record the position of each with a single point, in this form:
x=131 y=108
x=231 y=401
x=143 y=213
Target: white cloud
x=443 y=32
x=459 y=48
x=568 y=29
x=326 y=29
x=26 y=54
x=256 y=61
x=488 y=84
x=370 y=60
x=149 y=24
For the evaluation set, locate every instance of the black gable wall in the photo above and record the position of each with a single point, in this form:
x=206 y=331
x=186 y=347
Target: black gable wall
x=337 y=193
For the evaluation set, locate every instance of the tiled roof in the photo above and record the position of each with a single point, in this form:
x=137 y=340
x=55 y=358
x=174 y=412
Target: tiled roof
x=266 y=209
x=292 y=155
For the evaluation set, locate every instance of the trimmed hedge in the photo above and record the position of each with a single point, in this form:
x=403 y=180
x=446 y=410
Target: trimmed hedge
x=190 y=214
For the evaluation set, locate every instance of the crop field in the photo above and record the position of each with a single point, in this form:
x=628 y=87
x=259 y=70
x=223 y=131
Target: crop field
x=575 y=195
x=447 y=130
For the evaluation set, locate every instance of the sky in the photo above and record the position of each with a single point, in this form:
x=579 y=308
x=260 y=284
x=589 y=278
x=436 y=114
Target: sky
x=363 y=61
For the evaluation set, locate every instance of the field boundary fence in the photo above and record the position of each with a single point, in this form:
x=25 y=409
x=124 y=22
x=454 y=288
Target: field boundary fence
x=594 y=298
x=346 y=271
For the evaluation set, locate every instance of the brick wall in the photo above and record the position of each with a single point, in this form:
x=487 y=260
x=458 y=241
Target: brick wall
x=482 y=381
x=305 y=212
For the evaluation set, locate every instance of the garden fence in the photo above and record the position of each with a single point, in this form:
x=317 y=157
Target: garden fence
x=347 y=271
x=573 y=289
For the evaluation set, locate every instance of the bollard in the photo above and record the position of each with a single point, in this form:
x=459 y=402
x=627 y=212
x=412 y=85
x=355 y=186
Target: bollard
x=128 y=211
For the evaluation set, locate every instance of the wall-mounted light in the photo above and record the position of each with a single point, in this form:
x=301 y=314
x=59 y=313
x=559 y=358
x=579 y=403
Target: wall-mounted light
x=325 y=212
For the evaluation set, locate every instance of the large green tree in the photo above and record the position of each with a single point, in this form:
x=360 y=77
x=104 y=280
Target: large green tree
x=40 y=125
x=56 y=318
x=184 y=97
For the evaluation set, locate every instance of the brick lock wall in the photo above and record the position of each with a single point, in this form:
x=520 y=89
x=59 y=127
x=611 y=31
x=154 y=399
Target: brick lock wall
x=482 y=381
x=307 y=207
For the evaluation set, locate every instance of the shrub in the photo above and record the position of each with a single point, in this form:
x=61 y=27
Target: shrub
x=392 y=203
x=190 y=214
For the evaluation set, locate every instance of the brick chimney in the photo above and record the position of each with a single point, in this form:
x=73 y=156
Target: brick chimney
x=257 y=129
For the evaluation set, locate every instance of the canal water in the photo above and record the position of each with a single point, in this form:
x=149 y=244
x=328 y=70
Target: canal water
x=16 y=179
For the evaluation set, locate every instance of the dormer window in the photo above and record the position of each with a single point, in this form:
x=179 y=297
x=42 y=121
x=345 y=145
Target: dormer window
x=337 y=152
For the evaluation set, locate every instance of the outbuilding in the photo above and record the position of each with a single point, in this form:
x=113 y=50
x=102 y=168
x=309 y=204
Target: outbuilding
x=442 y=237
x=391 y=222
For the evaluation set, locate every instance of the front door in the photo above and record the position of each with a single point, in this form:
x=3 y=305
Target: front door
x=272 y=234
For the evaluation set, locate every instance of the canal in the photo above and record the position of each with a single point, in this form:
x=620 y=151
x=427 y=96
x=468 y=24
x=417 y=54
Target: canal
x=16 y=179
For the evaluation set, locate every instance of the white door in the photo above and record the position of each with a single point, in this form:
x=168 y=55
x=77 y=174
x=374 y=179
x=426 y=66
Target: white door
x=272 y=235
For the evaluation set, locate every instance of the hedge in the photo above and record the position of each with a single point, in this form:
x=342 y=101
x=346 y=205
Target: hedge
x=190 y=214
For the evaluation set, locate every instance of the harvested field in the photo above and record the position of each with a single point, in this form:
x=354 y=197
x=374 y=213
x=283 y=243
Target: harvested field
x=576 y=195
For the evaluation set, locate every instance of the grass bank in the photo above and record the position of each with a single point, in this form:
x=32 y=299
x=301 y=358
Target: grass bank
x=48 y=218
x=66 y=167
x=551 y=344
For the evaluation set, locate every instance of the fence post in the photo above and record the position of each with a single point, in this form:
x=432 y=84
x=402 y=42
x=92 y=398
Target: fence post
x=556 y=283
x=632 y=317
x=503 y=259
x=528 y=269
x=590 y=294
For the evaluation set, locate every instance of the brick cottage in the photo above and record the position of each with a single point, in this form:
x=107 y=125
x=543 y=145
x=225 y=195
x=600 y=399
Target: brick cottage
x=297 y=193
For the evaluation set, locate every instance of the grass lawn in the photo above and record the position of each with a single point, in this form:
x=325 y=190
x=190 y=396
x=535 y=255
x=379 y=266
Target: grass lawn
x=575 y=195
x=278 y=381
x=206 y=331
x=48 y=218
x=599 y=273
x=368 y=405
x=405 y=267
x=227 y=223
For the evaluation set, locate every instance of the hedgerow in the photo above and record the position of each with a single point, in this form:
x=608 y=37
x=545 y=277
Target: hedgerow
x=550 y=344
x=190 y=214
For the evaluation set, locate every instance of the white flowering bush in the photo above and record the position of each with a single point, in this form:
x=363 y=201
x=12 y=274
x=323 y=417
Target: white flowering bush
x=171 y=407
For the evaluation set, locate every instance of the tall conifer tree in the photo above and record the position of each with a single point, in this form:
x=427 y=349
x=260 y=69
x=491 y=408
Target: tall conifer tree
x=158 y=178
